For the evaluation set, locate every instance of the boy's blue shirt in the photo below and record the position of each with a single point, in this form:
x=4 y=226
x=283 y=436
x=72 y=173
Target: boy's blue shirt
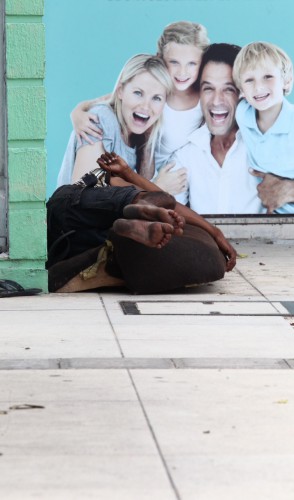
x=273 y=151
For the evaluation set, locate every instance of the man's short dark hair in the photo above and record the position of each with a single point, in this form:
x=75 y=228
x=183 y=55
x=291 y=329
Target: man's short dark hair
x=219 y=53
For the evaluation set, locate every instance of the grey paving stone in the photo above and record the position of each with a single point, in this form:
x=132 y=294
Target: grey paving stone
x=29 y=364
x=290 y=363
x=112 y=363
x=233 y=363
x=145 y=363
x=86 y=363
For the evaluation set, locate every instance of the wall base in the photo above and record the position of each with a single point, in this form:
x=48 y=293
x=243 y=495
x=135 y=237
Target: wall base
x=273 y=227
x=29 y=274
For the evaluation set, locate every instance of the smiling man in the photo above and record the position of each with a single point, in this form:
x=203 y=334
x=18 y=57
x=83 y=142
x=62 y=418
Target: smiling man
x=215 y=156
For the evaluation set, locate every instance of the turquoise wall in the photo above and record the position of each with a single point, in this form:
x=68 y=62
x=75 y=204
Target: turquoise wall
x=88 y=41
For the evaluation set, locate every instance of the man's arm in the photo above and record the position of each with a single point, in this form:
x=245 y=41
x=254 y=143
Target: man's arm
x=274 y=191
x=116 y=165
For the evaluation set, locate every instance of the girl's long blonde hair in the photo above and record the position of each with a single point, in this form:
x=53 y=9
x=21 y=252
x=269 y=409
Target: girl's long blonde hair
x=136 y=65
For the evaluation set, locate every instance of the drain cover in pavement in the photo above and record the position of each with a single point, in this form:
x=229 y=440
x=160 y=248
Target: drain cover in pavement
x=206 y=308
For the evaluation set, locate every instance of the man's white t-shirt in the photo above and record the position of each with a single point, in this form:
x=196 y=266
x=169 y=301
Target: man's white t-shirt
x=215 y=189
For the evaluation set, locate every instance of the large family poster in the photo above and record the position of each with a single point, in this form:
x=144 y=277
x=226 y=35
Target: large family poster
x=88 y=42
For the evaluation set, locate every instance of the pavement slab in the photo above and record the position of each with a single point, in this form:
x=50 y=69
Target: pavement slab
x=186 y=395
x=76 y=434
x=235 y=439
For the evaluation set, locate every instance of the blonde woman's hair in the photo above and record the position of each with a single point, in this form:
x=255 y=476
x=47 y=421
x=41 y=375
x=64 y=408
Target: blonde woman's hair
x=184 y=33
x=137 y=65
x=256 y=53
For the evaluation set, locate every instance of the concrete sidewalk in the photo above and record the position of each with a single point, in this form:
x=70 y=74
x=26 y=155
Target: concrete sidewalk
x=189 y=396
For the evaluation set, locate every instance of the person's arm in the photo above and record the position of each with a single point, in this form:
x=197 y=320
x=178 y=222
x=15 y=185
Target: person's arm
x=86 y=159
x=86 y=123
x=274 y=191
x=171 y=181
x=116 y=165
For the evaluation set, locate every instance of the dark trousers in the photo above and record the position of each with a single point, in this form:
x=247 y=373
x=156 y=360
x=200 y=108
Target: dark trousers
x=79 y=218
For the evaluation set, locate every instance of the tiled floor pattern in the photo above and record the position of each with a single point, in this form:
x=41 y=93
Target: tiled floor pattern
x=191 y=399
x=163 y=434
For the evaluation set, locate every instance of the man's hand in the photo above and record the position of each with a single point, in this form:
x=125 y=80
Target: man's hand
x=227 y=249
x=274 y=191
x=111 y=162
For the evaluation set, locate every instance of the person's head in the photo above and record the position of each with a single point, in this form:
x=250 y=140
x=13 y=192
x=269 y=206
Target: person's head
x=181 y=46
x=264 y=74
x=218 y=93
x=139 y=96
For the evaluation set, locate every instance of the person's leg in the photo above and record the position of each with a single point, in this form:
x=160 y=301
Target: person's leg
x=191 y=259
x=155 y=213
x=99 y=208
x=157 y=198
x=151 y=234
x=79 y=218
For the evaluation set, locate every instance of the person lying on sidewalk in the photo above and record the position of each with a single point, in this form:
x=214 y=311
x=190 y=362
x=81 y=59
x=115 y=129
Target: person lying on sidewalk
x=121 y=174
x=80 y=215
x=143 y=237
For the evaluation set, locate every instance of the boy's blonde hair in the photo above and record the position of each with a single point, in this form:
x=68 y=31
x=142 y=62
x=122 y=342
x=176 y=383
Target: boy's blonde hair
x=137 y=65
x=256 y=53
x=184 y=33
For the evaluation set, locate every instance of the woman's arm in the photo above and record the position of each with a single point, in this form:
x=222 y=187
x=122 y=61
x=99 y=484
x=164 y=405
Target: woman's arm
x=117 y=166
x=86 y=159
x=86 y=123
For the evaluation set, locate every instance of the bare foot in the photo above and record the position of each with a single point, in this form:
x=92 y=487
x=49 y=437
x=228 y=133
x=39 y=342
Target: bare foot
x=154 y=213
x=151 y=234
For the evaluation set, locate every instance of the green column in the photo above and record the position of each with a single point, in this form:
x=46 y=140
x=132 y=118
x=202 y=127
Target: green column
x=26 y=111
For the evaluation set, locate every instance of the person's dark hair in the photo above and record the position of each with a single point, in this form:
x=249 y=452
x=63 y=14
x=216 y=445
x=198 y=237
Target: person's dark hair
x=220 y=53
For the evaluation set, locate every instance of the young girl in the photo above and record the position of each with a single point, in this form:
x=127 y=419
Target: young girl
x=181 y=46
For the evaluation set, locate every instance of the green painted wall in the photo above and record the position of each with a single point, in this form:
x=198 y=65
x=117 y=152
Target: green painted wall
x=26 y=109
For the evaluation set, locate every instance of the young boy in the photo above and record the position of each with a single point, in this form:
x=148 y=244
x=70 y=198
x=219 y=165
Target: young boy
x=264 y=74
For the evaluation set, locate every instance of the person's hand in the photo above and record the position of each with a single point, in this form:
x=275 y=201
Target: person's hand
x=114 y=164
x=274 y=191
x=85 y=124
x=227 y=249
x=173 y=182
